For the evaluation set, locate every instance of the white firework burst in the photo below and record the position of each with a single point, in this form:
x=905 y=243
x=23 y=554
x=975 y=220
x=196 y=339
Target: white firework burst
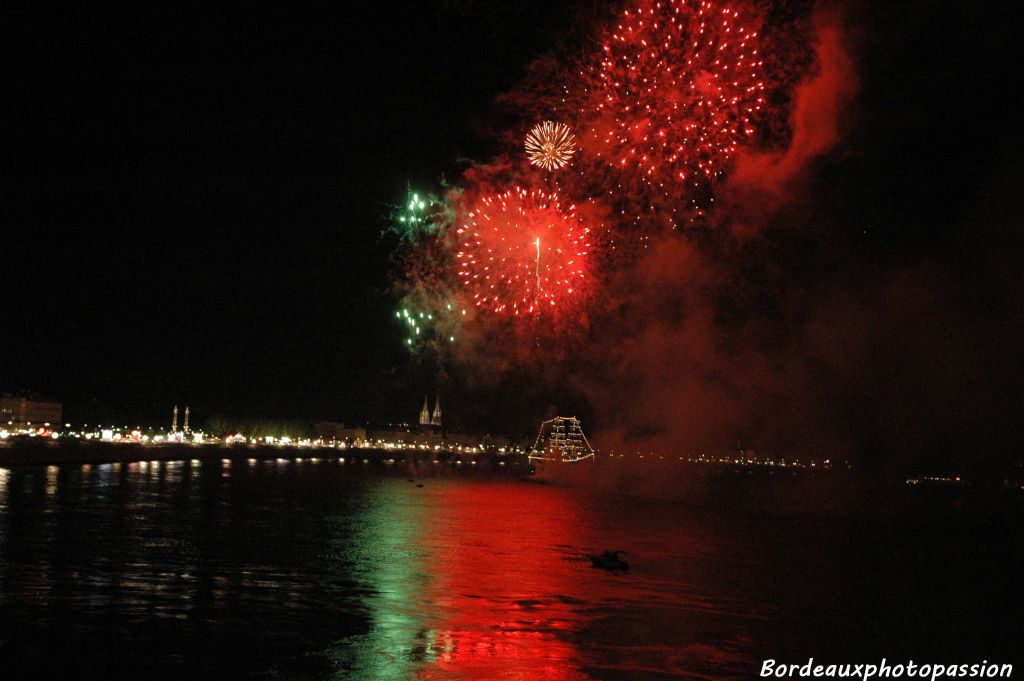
x=550 y=145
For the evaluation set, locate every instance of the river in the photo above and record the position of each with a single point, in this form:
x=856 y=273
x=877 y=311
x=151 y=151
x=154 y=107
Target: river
x=283 y=569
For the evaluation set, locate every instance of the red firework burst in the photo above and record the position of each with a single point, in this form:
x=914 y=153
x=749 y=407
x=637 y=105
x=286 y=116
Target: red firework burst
x=523 y=253
x=673 y=97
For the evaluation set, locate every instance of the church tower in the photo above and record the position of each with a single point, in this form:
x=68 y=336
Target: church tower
x=425 y=413
x=435 y=418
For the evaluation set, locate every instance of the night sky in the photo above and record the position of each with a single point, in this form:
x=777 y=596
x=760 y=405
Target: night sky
x=196 y=197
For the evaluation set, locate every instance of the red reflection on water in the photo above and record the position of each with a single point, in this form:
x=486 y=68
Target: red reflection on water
x=507 y=583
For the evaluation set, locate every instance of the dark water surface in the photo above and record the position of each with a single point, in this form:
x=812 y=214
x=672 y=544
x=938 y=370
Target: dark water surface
x=314 y=570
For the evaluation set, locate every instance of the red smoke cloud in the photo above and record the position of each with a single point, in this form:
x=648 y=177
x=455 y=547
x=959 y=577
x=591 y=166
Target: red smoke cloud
x=691 y=359
x=817 y=121
x=773 y=320
x=675 y=352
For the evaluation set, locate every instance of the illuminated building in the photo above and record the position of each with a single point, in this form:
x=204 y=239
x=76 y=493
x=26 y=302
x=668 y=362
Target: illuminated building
x=430 y=420
x=333 y=430
x=21 y=410
x=425 y=413
x=435 y=418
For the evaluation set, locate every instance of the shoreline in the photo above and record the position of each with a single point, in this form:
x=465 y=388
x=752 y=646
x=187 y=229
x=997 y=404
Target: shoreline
x=829 y=492
x=400 y=461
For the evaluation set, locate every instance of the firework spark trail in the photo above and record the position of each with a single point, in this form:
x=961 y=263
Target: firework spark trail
x=537 y=242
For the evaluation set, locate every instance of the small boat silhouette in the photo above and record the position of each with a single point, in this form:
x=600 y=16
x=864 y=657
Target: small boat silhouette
x=609 y=560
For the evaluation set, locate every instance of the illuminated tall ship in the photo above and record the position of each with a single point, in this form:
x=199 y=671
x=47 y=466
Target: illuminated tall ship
x=560 y=441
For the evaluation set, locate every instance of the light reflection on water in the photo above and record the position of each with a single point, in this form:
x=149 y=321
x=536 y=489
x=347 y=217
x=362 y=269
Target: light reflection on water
x=320 y=570
x=316 y=570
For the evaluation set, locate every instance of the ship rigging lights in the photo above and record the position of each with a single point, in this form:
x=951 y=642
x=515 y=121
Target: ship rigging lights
x=561 y=439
